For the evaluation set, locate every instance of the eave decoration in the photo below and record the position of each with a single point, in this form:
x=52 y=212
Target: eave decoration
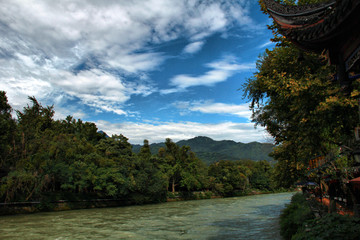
x=331 y=27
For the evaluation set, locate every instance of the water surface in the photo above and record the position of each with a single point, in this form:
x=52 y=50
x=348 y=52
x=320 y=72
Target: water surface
x=251 y=217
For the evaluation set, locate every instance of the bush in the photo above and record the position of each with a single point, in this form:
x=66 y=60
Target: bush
x=294 y=215
x=330 y=227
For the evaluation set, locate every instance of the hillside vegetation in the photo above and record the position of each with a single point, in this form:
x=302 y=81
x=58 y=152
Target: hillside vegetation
x=46 y=160
x=210 y=151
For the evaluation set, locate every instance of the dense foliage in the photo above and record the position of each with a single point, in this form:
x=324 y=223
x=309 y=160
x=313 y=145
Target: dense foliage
x=294 y=95
x=46 y=160
x=330 y=227
x=298 y=222
x=294 y=215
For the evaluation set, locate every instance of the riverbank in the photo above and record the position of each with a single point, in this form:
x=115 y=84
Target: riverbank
x=183 y=196
x=65 y=205
x=62 y=205
x=307 y=218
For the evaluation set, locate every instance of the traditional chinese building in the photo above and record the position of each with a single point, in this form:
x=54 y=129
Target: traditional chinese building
x=331 y=27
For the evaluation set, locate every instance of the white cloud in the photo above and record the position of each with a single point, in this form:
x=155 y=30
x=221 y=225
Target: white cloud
x=41 y=42
x=114 y=31
x=95 y=88
x=158 y=132
x=266 y=44
x=209 y=18
x=62 y=112
x=193 y=47
x=210 y=107
x=24 y=76
x=19 y=78
x=134 y=63
x=222 y=108
x=220 y=71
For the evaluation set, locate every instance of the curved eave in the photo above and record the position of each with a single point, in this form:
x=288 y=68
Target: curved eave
x=294 y=11
x=284 y=24
x=314 y=26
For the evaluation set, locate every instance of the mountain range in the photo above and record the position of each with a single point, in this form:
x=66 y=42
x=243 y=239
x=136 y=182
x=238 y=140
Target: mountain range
x=209 y=150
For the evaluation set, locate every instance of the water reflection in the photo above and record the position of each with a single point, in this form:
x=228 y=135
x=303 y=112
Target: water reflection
x=252 y=217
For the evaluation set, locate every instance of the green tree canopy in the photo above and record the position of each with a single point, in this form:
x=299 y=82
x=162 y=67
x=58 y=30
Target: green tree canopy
x=7 y=129
x=294 y=95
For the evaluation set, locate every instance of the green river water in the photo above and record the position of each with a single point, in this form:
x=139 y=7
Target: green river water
x=251 y=217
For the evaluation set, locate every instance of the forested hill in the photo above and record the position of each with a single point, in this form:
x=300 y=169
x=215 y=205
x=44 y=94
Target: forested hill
x=209 y=150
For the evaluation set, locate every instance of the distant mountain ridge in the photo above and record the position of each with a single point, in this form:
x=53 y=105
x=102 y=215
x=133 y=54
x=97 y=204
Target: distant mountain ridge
x=209 y=150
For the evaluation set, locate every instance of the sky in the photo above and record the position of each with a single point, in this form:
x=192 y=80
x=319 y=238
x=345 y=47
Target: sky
x=147 y=69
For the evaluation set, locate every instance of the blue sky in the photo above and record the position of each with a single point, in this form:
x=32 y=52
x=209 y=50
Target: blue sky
x=147 y=69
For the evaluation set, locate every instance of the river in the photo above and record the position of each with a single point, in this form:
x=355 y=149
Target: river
x=250 y=217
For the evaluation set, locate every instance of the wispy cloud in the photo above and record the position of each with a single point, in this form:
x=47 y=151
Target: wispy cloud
x=222 y=108
x=193 y=47
x=87 y=48
x=266 y=44
x=159 y=131
x=219 y=71
x=210 y=107
x=96 y=88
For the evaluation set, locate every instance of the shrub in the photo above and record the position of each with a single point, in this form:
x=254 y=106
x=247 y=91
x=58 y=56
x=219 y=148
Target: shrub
x=330 y=227
x=294 y=215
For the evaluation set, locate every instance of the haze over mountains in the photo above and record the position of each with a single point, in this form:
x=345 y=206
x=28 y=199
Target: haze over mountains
x=209 y=150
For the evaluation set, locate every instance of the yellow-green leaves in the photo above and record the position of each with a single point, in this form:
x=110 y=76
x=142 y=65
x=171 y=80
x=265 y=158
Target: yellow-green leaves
x=294 y=96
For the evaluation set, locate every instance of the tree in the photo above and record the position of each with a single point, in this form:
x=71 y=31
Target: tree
x=145 y=152
x=228 y=177
x=299 y=105
x=70 y=159
x=172 y=162
x=32 y=122
x=260 y=177
x=182 y=169
x=193 y=171
x=116 y=147
x=7 y=134
x=148 y=184
x=294 y=96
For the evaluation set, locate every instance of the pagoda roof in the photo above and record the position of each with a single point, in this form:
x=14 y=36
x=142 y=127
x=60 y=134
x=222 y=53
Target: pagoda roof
x=293 y=16
x=332 y=25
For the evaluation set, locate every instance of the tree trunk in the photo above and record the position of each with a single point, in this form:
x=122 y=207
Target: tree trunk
x=23 y=144
x=173 y=185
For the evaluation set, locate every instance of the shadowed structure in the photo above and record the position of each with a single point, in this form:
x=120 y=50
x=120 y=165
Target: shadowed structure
x=331 y=28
